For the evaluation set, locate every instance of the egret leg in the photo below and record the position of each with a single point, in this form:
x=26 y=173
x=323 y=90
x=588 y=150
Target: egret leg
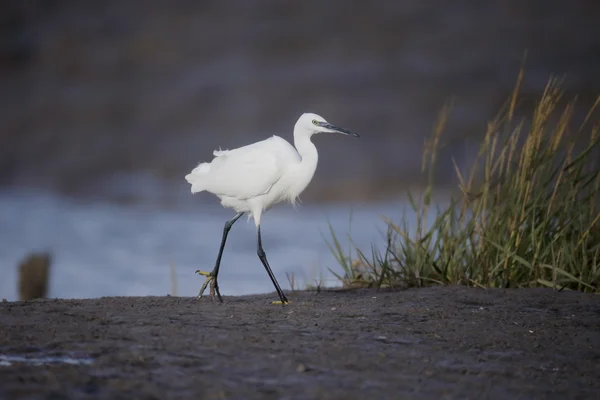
x=211 y=277
x=263 y=259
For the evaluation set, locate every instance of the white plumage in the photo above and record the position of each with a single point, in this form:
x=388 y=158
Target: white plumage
x=247 y=175
x=253 y=178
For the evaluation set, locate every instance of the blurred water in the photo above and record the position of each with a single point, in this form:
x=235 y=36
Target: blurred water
x=103 y=249
x=7 y=360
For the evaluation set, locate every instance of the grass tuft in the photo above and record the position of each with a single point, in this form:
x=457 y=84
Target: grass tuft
x=526 y=212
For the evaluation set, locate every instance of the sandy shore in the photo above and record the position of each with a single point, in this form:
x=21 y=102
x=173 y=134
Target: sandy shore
x=433 y=343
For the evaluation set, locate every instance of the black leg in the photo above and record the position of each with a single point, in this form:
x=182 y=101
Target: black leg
x=263 y=259
x=215 y=271
x=226 y=229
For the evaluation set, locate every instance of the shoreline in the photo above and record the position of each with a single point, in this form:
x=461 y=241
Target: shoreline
x=437 y=342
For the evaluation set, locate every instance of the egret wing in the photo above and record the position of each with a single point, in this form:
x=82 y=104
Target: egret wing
x=243 y=174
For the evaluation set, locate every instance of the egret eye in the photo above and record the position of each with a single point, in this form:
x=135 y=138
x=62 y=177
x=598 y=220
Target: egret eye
x=315 y=122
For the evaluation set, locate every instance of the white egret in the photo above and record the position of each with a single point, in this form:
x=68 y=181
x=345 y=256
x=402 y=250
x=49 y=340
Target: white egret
x=253 y=178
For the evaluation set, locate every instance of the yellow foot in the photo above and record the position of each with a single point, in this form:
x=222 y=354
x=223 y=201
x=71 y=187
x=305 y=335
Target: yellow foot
x=213 y=285
x=281 y=303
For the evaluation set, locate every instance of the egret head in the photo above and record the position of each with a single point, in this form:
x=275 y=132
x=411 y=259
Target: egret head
x=314 y=123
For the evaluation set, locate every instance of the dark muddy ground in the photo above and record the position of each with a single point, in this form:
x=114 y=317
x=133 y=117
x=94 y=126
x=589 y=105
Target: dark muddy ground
x=431 y=343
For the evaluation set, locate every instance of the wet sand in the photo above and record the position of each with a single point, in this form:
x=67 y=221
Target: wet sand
x=433 y=343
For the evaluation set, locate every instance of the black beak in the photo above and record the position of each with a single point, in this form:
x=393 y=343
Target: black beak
x=338 y=129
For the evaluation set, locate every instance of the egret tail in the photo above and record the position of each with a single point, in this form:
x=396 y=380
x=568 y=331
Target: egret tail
x=197 y=177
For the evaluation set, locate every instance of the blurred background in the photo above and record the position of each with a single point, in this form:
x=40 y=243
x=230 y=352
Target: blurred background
x=107 y=105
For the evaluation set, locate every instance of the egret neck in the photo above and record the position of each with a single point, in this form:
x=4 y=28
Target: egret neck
x=304 y=171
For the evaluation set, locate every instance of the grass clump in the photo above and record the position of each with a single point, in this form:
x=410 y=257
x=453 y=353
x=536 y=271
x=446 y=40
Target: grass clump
x=526 y=213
